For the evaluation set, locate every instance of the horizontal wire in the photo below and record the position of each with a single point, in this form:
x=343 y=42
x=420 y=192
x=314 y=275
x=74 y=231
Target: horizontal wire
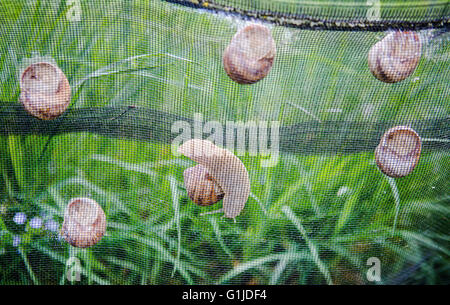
x=303 y=21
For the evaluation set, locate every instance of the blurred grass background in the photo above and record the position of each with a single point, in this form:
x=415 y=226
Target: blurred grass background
x=310 y=220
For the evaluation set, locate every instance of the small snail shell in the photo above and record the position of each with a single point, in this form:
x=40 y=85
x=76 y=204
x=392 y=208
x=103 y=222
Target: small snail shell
x=395 y=57
x=250 y=54
x=398 y=152
x=84 y=222
x=201 y=187
x=225 y=168
x=44 y=90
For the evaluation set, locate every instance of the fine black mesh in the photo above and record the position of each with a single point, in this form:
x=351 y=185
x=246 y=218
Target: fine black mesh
x=142 y=73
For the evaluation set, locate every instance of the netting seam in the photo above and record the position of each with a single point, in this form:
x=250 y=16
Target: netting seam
x=307 y=22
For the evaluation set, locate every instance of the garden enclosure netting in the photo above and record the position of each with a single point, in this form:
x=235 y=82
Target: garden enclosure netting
x=142 y=72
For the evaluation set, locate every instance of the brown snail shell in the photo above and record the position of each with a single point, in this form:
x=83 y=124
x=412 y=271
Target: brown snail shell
x=249 y=56
x=84 y=222
x=201 y=187
x=44 y=90
x=398 y=152
x=395 y=57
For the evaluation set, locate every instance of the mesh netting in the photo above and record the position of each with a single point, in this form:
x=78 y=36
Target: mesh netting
x=96 y=193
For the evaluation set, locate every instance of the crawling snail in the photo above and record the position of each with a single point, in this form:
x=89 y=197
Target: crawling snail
x=250 y=54
x=219 y=175
x=44 y=90
x=84 y=222
x=395 y=57
x=398 y=152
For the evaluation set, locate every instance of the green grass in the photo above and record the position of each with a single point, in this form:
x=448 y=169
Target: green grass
x=312 y=219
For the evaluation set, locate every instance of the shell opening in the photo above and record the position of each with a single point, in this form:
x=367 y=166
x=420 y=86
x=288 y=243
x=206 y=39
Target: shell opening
x=250 y=55
x=41 y=78
x=402 y=142
x=398 y=152
x=255 y=43
x=83 y=211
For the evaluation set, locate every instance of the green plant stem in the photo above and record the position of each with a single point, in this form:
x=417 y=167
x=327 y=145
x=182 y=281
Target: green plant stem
x=312 y=247
x=28 y=266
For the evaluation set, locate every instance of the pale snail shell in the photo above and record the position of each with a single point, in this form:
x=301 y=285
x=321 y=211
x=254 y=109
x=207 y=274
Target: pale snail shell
x=44 y=90
x=225 y=172
x=201 y=187
x=84 y=222
x=398 y=152
x=395 y=57
x=250 y=55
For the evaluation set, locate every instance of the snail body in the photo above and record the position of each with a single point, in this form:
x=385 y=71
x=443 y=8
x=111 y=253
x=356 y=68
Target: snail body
x=224 y=169
x=398 y=152
x=44 y=90
x=84 y=222
x=250 y=55
x=395 y=57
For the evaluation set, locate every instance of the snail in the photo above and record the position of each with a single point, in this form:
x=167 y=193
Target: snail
x=44 y=90
x=249 y=56
x=84 y=222
x=219 y=175
x=398 y=152
x=395 y=57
